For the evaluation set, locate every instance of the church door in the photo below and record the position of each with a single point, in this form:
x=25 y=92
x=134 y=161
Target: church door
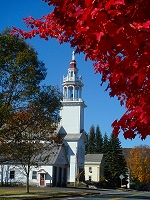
x=42 y=182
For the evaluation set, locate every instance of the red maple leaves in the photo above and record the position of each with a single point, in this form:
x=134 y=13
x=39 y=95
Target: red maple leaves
x=115 y=34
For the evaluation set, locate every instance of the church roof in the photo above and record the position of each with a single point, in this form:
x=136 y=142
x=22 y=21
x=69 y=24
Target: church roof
x=75 y=136
x=53 y=156
x=54 y=152
x=73 y=64
x=93 y=158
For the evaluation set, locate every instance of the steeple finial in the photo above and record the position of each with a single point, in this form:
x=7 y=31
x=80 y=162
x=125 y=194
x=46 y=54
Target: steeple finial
x=73 y=55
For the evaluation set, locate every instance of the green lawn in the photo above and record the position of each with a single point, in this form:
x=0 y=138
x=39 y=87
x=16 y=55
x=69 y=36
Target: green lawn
x=18 y=190
x=33 y=194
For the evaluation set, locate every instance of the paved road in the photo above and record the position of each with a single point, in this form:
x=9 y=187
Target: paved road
x=113 y=195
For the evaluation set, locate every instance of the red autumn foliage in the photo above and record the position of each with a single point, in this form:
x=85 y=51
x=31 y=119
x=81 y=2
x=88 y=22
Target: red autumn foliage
x=115 y=34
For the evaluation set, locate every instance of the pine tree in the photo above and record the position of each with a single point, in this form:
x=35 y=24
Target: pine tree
x=87 y=144
x=98 y=140
x=115 y=163
x=106 y=154
x=91 y=140
x=105 y=143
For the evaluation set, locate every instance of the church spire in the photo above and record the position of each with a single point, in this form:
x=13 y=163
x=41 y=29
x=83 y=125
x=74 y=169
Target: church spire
x=72 y=83
x=72 y=113
x=73 y=55
x=73 y=62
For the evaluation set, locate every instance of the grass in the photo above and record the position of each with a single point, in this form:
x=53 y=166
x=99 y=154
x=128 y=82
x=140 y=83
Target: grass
x=33 y=194
x=4 y=191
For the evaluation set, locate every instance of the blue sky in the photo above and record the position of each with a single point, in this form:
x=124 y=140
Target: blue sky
x=101 y=109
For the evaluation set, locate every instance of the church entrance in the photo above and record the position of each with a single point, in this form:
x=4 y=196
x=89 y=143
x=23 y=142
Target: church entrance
x=42 y=174
x=42 y=179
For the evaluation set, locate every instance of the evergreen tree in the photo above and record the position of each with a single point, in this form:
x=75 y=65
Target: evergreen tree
x=91 y=140
x=105 y=143
x=87 y=144
x=98 y=140
x=106 y=154
x=115 y=163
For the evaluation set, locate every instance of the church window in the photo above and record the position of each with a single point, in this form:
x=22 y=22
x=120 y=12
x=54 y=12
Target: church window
x=65 y=93
x=12 y=174
x=34 y=175
x=90 y=169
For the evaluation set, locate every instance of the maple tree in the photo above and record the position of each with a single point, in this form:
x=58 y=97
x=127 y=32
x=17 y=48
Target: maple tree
x=29 y=138
x=115 y=35
x=138 y=163
x=29 y=112
x=21 y=73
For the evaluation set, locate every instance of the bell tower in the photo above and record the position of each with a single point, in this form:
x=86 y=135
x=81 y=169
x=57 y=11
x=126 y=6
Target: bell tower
x=71 y=127
x=72 y=113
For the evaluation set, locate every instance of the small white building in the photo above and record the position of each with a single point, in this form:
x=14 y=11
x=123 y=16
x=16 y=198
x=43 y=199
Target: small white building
x=53 y=173
x=94 y=167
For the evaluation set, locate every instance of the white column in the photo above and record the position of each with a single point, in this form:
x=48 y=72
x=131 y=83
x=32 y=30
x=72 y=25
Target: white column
x=73 y=92
x=63 y=93
x=67 y=92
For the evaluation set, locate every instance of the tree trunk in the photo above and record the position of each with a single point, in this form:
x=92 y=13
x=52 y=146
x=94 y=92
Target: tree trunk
x=2 y=171
x=27 y=183
x=27 y=172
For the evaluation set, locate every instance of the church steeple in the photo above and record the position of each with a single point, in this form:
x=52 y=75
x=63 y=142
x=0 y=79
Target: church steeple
x=72 y=83
x=73 y=62
x=72 y=112
x=72 y=120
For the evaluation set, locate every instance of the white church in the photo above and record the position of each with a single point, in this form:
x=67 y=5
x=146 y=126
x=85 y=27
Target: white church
x=67 y=164
x=72 y=122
